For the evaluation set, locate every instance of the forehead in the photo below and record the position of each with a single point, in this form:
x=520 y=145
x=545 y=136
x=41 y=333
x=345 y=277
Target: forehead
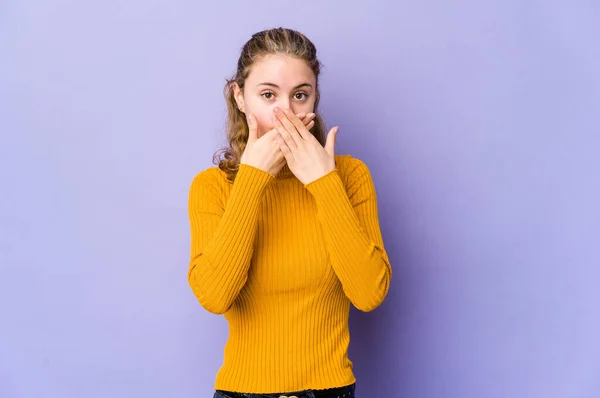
x=283 y=70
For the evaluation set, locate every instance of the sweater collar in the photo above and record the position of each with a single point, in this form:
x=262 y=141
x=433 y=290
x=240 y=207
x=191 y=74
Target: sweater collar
x=285 y=173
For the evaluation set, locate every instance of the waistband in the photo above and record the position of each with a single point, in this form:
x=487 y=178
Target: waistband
x=341 y=392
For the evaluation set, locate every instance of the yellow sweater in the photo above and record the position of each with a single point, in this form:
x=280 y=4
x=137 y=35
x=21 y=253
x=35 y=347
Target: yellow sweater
x=283 y=261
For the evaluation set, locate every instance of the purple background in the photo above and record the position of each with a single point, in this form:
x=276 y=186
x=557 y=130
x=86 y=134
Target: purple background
x=478 y=120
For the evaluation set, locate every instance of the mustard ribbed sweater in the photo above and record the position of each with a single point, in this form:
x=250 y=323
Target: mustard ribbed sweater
x=283 y=261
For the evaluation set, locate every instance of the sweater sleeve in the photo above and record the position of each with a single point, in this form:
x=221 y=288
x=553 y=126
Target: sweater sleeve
x=350 y=224
x=222 y=235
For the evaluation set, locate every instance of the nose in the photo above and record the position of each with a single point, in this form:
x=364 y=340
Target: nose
x=284 y=103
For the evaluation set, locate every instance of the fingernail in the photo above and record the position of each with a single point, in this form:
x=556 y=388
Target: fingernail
x=277 y=110
x=311 y=115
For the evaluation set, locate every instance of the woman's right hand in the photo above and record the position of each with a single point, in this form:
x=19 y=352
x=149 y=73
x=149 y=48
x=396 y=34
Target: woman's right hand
x=264 y=152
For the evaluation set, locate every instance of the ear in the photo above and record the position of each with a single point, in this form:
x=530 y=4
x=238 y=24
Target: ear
x=239 y=96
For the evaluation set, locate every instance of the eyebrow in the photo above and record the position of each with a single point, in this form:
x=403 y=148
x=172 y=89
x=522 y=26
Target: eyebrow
x=276 y=86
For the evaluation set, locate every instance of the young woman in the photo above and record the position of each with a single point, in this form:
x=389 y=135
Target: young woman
x=284 y=233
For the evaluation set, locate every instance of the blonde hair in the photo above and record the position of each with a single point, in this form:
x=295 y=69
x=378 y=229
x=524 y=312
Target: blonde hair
x=267 y=42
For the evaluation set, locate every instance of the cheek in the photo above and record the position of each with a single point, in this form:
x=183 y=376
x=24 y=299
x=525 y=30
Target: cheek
x=262 y=112
x=264 y=122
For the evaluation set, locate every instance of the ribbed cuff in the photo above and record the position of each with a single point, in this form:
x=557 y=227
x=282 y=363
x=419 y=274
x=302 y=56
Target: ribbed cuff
x=251 y=180
x=324 y=184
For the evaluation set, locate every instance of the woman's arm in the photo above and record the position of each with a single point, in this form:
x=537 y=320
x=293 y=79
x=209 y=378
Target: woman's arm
x=351 y=227
x=222 y=236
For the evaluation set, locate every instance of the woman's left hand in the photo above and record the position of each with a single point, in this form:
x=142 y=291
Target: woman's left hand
x=305 y=156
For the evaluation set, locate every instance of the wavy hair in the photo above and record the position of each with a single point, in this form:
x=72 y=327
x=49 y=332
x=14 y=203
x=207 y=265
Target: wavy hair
x=267 y=42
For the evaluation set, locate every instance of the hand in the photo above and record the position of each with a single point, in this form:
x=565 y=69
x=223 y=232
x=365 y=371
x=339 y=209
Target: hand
x=264 y=152
x=305 y=156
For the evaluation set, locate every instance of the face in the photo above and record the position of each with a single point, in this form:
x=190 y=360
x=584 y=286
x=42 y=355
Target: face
x=276 y=80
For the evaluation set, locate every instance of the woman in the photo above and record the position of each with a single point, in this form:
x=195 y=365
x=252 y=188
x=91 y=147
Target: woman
x=284 y=233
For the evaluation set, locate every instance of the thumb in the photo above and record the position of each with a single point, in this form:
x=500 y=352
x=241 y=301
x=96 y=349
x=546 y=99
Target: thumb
x=330 y=141
x=252 y=127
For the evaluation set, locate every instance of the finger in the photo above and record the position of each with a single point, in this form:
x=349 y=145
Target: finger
x=307 y=119
x=285 y=134
x=285 y=149
x=330 y=141
x=271 y=134
x=252 y=126
x=298 y=125
x=284 y=118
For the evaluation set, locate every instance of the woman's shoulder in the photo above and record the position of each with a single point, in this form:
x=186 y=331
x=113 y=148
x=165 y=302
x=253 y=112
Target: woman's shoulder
x=211 y=173
x=212 y=178
x=208 y=175
x=350 y=168
x=347 y=161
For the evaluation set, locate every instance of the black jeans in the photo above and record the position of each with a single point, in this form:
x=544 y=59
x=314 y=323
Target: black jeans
x=340 y=392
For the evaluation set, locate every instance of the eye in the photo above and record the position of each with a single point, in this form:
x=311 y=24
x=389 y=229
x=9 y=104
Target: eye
x=305 y=96
x=267 y=93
